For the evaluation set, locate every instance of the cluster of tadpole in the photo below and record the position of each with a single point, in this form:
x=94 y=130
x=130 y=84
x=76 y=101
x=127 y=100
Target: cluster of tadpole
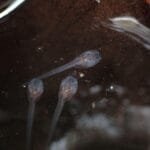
x=67 y=90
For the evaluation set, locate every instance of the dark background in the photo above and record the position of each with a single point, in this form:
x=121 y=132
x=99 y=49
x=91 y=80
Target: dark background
x=41 y=35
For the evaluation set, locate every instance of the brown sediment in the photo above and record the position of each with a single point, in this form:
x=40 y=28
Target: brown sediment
x=147 y=1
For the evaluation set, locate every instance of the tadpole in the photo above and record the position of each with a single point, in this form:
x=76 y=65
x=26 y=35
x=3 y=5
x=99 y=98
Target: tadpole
x=68 y=89
x=85 y=60
x=35 y=90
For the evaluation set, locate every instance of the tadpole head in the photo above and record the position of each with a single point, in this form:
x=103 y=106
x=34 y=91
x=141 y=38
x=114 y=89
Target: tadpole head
x=35 y=89
x=88 y=59
x=68 y=88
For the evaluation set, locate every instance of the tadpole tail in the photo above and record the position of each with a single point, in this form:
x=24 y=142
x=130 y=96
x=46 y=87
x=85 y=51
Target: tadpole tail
x=55 y=119
x=57 y=70
x=30 y=119
x=67 y=66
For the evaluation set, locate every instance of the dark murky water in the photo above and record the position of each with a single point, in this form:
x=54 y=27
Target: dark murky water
x=42 y=35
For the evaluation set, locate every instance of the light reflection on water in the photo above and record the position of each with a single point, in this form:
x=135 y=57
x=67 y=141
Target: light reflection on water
x=133 y=28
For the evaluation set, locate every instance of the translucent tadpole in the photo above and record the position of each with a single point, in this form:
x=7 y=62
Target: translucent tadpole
x=35 y=90
x=68 y=89
x=132 y=27
x=85 y=60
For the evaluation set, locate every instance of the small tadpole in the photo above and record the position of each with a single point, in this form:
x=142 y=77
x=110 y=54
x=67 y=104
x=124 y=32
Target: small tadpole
x=67 y=90
x=85 y=60
x=34 y=91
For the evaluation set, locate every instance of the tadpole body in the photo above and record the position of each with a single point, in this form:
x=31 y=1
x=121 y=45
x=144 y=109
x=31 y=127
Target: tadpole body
x=35 y=90
x=68 y=89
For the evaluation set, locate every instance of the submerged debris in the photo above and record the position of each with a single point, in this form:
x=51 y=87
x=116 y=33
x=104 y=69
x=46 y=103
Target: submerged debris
x=138 y=120
x=95 y=89
x=118 y=89
x=88 y=128
x=100 y=123
x=98 y=1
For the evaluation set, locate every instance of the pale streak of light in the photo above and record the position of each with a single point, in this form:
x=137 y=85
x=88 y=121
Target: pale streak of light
x=11 y=8
x=132 y=27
